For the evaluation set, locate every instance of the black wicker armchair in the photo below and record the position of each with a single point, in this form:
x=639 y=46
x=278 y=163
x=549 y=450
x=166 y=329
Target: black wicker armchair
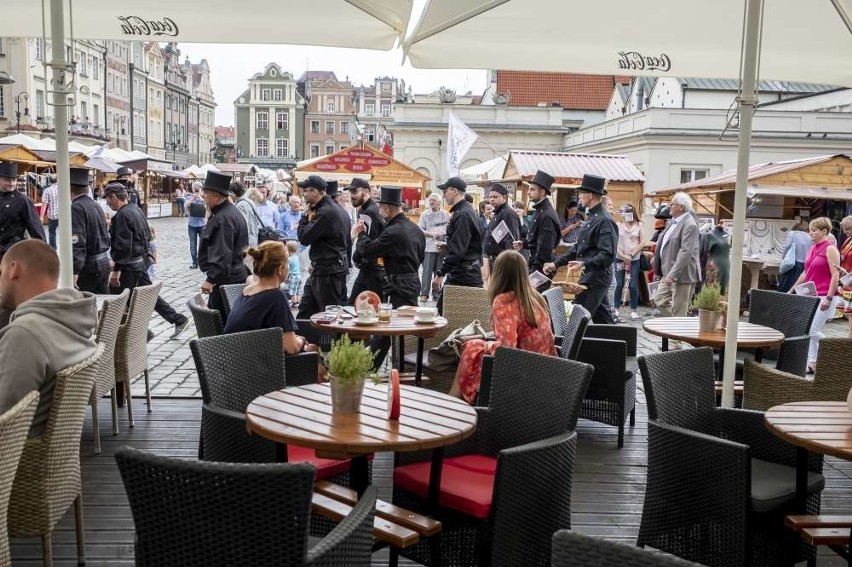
x=571 y=549
x=230 y=293
x=189 y=513
x=208 y=322
x=719 y=483
x=507 y=488
x=556 y=306
x=578 y=322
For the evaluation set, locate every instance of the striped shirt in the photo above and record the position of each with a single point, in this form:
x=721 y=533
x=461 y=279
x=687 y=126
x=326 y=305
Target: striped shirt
x=50 y=198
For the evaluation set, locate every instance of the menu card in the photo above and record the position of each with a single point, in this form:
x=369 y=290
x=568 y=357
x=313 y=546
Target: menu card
x=537 y=279
x=806 y=288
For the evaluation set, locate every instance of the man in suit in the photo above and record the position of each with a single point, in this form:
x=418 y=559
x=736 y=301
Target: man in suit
x=678 y=258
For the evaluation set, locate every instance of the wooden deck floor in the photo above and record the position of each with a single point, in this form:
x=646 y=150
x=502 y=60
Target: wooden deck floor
x=607 y=498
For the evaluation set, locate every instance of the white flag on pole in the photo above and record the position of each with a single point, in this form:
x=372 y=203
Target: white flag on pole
x=459 y=140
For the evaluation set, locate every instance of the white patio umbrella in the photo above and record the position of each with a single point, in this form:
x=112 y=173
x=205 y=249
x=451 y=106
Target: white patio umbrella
x=790 y=40
x=369 y=24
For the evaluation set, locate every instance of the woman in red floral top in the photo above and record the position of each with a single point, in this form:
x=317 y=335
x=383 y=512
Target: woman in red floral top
x=521 y=320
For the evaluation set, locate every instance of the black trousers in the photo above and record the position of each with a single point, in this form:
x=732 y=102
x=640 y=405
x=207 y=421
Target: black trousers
x=594 y=299
x=322 y=290
x=469 y=277
x=368 y=280
x=400 y=290
x=95 y=280
x=131 y=279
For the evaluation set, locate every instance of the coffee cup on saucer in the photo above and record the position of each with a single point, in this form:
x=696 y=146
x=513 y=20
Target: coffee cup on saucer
x=366 y=316
x=425 y=314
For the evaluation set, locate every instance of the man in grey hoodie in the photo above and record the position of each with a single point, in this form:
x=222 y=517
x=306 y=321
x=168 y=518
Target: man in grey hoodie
x=50 y=329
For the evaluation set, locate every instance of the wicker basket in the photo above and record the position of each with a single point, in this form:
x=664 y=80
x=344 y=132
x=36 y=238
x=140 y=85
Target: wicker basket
x=568 y=281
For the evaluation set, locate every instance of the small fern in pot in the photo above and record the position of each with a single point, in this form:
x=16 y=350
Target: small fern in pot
x=349 y=365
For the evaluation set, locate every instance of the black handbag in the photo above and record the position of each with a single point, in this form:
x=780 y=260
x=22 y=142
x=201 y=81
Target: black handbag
x=265 y=233
x=197 y=210
x=644 y=262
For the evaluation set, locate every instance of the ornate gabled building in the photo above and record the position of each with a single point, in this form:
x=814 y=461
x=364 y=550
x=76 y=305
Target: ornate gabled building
x=178 y=87
x=202 y=92
x=329 y=118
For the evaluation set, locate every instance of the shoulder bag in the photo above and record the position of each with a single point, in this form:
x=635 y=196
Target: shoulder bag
x=789 y=261
x=445 y=357
x=265 y=232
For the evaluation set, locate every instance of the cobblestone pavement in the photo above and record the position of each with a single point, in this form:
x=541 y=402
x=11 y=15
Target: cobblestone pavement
x=172 y=371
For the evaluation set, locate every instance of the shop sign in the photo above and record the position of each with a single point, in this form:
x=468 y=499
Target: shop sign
x=325 y=166
x=361 y=153
x=358 y=167
x=381 y=162
x=341 y=159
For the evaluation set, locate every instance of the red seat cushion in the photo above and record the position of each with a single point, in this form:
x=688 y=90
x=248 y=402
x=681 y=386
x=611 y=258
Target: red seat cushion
x=326 y=468
x=467 y=483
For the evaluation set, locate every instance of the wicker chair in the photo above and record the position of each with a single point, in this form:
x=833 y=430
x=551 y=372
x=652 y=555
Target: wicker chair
x=48 y=478
x=230 y=293
x=107 y=334
x=506 y=488
x=208 y=322
x=718 y=482
x=461 y=306
x=131 y=348
x=787 y=313
x=195 y=513
x=14 y=426
x=611 y=396
x=765 y=387
x=314 y=335
x=578 y=322
x=556 y=306
x=571 y=549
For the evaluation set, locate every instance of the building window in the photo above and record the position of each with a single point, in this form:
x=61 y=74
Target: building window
x=265 y=94
x=329 y=127
x=688 y=175
x=96 y=112
x=344 y=127
x=315 y=150
x=276 y=95
x=2 y=102
x=282 y=147
x=261 y=147
x=96 y=68
x=329 y=105
x=39 y=49
x=329 y=149
x=39 y=104
x=84 y=111
x=315 y=127
x=262 y=120
x=84 y=59
x=282 y=120
x=370 y=109
x=386 y=110
x=371 y=134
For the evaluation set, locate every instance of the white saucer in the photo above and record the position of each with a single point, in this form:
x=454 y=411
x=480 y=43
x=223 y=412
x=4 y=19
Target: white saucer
x=429 y=322
x=364 y=323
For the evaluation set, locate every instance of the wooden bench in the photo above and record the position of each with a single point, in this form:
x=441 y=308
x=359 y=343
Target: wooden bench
x=393 y=525
x=830 y=530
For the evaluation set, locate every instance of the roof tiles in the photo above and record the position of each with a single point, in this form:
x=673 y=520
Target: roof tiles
x=571 y=90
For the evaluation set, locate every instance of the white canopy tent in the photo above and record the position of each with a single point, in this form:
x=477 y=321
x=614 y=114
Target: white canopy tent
x=740 y=39
x=377 y=24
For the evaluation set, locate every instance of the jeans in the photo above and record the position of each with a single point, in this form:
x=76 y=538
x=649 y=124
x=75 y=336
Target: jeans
x=52 y=225
x=431 y=261
x=632 y=285
x=180 y=204
x=194 y=239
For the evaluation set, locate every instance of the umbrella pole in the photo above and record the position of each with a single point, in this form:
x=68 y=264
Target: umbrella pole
x=748 y=98
x=60 y=110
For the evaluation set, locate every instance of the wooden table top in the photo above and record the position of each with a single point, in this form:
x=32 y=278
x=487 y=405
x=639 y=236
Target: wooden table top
x=819 y=427
x=398 y=325
x=685 y=329
x=302 y=416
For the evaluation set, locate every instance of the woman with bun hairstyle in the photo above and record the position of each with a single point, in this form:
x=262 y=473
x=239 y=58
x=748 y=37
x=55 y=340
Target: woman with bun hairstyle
x=263 y=304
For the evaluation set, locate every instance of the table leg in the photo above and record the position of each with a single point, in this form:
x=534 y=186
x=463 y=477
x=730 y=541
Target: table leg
x=418 y=368
x=400 y=361
x=359 y=474
x=280 y=452
x=720 y=372
x=758 y=355
x=665 y=344
x=435 y=479
x=801 y=480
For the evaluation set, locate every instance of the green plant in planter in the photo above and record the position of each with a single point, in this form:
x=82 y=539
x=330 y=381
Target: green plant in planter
x=708 y=298
x=349 y=361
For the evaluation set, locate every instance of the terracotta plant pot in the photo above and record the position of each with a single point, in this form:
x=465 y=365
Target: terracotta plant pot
x=346 y=398
x=708 y=320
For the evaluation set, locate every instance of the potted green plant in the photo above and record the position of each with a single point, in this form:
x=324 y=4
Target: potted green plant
x=708 y=302
x=349 y=365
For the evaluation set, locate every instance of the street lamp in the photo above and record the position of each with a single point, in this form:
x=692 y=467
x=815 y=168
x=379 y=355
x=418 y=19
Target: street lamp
x=21 y=96
x=116 y=121
x=174 y=144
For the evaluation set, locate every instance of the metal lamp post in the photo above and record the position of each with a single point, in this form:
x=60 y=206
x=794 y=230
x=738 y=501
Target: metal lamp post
x=25 y=97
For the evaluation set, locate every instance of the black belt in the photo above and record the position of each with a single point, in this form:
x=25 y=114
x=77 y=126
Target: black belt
x=132 y=263
x=96 y=257
x=406 y=275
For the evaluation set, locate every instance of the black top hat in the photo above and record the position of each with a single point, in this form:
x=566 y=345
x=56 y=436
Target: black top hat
x=592 y=184
x=391 y=196
x=663 y=212
x=314 y=181
x=9 y=169
x=123 y=170
x=543 y=180
x=218 y=182
x=499 y=188
x=455 y=183
x=80 y=176
x=331 y=188
x=358 y=183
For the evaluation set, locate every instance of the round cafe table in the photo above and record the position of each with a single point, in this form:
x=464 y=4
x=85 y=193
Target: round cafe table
x=398 y=326
x=685 y=329
x=303 y=416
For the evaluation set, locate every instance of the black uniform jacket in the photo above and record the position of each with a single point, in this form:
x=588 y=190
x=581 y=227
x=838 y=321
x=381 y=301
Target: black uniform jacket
x=89 y=233
x=595 y=247
x=401 y=244
x=377 y=225
x=464 y=240
x=17 y=214
x=543 y=235
x=326 y=229
x=502 y=213
x=129 y=236
x=224 y=240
